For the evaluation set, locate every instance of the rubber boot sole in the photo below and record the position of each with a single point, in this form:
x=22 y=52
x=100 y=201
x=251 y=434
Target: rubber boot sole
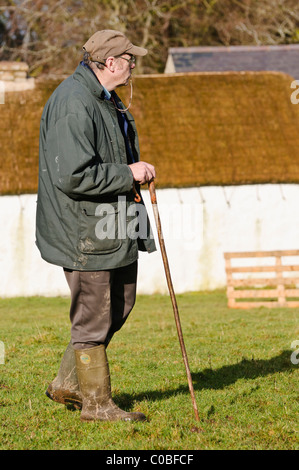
x=61 y=398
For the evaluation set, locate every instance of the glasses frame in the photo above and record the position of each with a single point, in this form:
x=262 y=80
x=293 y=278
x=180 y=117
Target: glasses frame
x=131 y=61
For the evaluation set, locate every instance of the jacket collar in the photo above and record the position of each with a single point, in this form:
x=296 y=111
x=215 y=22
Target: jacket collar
x=87 y=78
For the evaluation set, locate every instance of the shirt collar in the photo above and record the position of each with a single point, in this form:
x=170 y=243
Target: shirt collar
x=107 y=93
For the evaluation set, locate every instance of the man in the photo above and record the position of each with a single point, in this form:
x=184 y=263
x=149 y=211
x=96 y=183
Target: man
x=89 y=173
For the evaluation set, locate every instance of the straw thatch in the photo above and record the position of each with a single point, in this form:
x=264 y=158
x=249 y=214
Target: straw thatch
x=19 y=136
x=197 y=129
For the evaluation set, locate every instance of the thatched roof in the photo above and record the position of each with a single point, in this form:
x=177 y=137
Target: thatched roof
x=197 y=129
x=219 y=128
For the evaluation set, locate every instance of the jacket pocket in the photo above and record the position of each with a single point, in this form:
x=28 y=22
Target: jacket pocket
x=98 y=228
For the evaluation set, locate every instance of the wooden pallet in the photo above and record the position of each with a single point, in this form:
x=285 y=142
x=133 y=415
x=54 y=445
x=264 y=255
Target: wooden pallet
x=276 y=290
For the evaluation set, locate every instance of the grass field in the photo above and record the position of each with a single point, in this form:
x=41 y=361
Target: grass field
x=245 y=383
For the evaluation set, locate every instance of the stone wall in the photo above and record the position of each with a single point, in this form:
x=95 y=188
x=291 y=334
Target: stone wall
x=14 y=76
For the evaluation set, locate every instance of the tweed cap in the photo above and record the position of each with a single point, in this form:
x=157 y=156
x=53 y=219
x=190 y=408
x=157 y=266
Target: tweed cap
x=108 y=42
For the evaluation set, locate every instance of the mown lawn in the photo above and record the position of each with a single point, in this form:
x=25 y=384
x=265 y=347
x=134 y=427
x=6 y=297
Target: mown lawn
x=245 y=383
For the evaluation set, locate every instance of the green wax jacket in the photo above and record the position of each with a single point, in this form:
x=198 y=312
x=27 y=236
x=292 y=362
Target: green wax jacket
x=86 y=217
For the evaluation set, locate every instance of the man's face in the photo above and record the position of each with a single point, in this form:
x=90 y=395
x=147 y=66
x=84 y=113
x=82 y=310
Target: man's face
x=124 y=66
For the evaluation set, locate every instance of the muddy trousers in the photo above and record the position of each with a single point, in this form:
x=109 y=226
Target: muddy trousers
x=100 y=303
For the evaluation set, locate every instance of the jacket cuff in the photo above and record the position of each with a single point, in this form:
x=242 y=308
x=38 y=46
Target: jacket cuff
x=130 y=178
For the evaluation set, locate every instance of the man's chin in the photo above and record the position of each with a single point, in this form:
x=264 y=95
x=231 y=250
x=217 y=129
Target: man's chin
x=126 y=83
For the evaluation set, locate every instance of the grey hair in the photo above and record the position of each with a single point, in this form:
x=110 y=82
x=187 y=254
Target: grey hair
x=87 y=61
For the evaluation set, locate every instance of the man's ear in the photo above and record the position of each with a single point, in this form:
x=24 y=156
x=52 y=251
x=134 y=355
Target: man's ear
x=110 y=63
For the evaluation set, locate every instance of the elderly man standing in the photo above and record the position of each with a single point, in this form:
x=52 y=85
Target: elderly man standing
x=89 y=173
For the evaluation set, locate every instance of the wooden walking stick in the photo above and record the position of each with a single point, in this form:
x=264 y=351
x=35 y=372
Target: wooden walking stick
x=152 y=191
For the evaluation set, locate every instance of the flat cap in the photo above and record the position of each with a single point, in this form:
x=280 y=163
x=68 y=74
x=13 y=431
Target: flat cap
x=108 y=42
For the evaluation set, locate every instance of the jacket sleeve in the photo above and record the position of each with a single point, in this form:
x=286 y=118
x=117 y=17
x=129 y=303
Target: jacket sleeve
x=76 y=168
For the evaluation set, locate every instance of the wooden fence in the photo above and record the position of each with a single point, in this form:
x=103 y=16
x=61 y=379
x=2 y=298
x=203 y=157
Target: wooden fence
x=270 y=280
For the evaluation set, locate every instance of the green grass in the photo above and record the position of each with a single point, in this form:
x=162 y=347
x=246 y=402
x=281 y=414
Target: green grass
x=245 y=384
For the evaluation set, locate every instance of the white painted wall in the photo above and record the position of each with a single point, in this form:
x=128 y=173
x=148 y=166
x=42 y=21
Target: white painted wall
x=199 y=224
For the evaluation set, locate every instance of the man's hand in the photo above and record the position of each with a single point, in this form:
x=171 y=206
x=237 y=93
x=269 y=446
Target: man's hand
x=142 y=172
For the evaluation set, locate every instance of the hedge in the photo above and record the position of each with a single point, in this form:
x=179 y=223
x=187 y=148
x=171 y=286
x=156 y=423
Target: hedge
x=198 y=129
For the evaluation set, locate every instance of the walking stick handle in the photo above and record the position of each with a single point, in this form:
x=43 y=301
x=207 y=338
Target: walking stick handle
x=137 y=197
x=152 y=190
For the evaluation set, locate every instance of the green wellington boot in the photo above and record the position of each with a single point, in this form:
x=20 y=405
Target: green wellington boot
x=65 y=387
x=94 y=380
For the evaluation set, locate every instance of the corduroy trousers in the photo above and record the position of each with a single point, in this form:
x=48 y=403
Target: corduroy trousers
x=100 y=303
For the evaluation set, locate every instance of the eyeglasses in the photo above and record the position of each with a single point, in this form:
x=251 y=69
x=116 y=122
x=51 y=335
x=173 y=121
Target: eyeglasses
x=131 y=60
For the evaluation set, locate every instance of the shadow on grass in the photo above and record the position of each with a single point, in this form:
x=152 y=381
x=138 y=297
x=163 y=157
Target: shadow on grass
x=216 y=379
x=245 y=369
